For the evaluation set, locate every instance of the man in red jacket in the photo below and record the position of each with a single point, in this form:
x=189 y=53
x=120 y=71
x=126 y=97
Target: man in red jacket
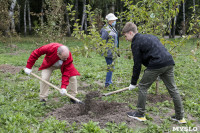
x=57 y=56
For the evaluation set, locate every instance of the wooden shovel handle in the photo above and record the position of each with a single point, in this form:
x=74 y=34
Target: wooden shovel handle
x=117 y=91
x=55 y=87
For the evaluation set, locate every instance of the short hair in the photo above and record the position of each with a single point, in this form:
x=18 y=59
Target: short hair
x=61 y=49
x=129 y=26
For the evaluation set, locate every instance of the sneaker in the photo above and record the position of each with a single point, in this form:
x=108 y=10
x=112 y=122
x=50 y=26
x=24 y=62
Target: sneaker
x=181 y=121
x=43 y=102
x=137 y=116
x=106 y=86
x=73 y=101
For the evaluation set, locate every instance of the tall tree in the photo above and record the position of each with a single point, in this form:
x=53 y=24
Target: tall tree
x=184 y=28
x=42 y=13
x=29 y=16
x=112 y=7
x=84 y=14
x=194 y=6
x=19 y=16
x=174 y=25
x=11 y=15
x=76 y=9
x=67 y=21
x=25 y=18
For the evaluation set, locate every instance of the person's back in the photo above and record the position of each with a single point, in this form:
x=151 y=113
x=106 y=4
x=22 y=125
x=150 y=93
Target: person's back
x=154 y=54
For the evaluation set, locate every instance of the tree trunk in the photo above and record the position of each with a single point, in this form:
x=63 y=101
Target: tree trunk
x=76 y=9
x=29 y=16
x=121 y=3
x=170 y=30
x=106 y=8
x=84 y=14
x=11 y=15
x=19 y=16
x=25 y=18
x=85 y=23
x=184 y=28
x=194 y=7
x=112 y=8
x=68 y=24
x=174 y=26
x=42 y=14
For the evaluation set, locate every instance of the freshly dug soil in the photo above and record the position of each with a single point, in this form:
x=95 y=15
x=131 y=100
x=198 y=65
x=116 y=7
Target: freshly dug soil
x=95 y=110
x=100 y=111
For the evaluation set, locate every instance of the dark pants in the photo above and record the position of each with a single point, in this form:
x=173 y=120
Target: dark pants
x=167 y=76
x=109 y=71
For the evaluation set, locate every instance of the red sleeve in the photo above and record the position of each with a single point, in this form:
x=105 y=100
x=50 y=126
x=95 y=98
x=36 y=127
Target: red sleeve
x=65 y=81
x=66 y=69
x=36 y=54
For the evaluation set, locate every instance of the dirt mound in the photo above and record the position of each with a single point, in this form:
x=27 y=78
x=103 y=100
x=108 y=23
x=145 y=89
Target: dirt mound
x=99 y=111
x=93 y=109
x=158 y=98
x=10 y=69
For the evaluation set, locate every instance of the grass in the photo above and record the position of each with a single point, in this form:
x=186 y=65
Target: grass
x=20 y=110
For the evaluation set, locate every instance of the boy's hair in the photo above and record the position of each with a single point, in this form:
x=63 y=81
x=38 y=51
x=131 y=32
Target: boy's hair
x=129 y=26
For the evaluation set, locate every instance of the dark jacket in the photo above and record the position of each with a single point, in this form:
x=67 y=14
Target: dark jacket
x=149 y=51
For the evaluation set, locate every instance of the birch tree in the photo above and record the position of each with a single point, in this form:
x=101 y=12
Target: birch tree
x=11 y=15
x=25 y=30
x=29 y=16
x=42 y=13
x=175 y=20
x=194 y=9
x=84 y=14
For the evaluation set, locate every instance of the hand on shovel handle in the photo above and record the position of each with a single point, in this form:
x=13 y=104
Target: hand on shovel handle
x=117 y=91
x=55 y=87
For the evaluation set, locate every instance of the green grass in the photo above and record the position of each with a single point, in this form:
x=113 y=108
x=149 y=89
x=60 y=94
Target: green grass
x=20 y=110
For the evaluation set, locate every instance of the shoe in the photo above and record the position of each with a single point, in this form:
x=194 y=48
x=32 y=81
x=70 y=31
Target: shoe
x=43 y=102
x=137 y=116
x=106 y=86
x=73 y=101
x=181 y=121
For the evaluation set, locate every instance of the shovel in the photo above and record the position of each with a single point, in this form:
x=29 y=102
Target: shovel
x=117 y=91
x=77 y=100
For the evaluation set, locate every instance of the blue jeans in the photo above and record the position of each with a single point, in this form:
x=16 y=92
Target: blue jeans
x=109 y=73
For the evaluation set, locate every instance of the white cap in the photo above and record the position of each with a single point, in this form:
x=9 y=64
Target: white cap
x=111 y=16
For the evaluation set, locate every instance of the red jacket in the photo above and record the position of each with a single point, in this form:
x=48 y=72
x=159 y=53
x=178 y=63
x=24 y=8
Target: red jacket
x=67 y=68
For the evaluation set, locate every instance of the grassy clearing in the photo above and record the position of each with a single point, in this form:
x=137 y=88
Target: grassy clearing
x=20 y=110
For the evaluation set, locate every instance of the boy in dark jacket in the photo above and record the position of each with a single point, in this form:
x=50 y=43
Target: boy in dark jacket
x=147 y=50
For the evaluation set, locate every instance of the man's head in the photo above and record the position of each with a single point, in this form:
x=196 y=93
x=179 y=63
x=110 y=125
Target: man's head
x=63 y=52
x=129 y=30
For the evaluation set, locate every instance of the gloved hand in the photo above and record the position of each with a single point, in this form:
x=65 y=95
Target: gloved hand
x=131 y=87
x=28 y=71
x=63 y=91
